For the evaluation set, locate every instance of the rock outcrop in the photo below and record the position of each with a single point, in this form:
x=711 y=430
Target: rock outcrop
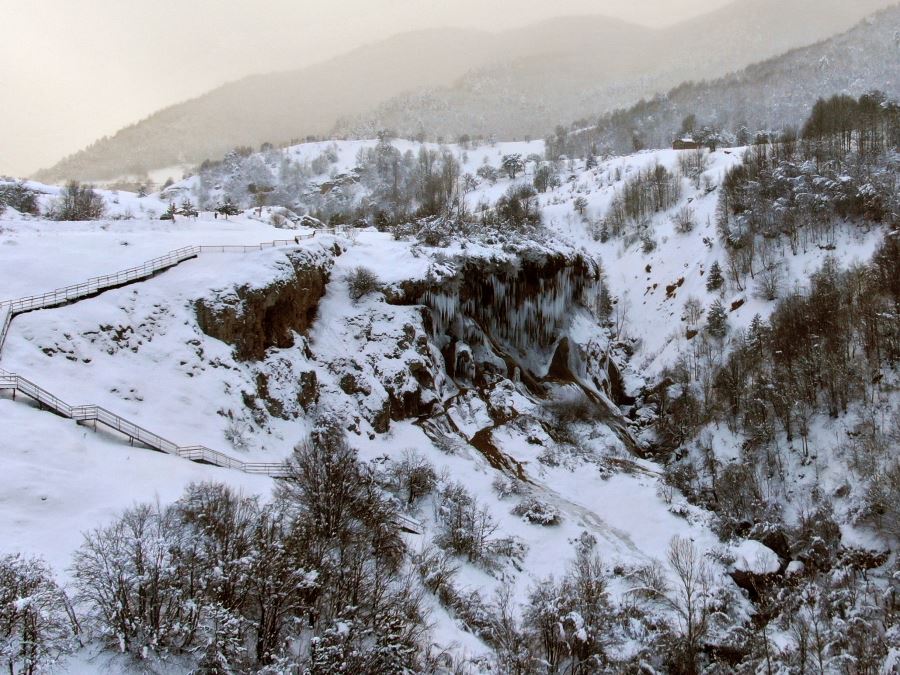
x=502 y=317
x=254 y=319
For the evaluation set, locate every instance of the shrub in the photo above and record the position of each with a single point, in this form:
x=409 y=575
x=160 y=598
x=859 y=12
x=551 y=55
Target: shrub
x=78 y=202
x=573 y=406
x=413 y=475
x=506 y=486
x=488 y=173
x=684 y=220
x=362 y=281
x=19 y=197
x=537 y=512
x=466 y=527
x=517 y=209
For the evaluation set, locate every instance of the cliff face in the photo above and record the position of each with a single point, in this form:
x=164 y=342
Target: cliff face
x=254 y=319
x=473 y=348
x=503 y=318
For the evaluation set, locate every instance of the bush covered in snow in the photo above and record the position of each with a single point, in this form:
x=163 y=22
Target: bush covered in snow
x=19 y=197
x=537 y=512
x=466 y=526
x=362 y=281
x=78 y=202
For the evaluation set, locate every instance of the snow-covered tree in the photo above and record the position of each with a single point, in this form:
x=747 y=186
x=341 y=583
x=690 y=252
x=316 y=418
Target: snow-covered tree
x=714 y=279
x=512 y=164
x=36 y=623
x=227 y=208
x=717 y=320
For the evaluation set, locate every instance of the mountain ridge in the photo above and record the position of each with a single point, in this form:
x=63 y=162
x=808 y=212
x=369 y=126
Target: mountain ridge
x=492 y=74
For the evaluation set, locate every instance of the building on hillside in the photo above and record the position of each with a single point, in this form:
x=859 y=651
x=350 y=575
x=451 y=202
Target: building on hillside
x=686 y=143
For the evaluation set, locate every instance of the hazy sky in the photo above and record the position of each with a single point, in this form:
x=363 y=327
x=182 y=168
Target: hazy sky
x=74 y=70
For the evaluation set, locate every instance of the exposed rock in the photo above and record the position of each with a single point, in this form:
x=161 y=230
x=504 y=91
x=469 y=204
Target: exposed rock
x=516 y=308
x=617 y=391
x=353 y=384
x=308 y=395
x=254 y=319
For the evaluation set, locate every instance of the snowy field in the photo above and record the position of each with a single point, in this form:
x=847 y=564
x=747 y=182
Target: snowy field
x=138 y=351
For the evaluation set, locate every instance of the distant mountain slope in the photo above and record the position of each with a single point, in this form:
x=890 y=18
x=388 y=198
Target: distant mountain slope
x=769 y=95
x=589 y=77
x=508 y=84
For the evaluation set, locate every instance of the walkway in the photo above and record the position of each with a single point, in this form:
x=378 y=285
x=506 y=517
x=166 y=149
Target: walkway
x=9 y=309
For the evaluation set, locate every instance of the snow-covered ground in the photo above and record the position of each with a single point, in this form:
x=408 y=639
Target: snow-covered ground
x=138 y=351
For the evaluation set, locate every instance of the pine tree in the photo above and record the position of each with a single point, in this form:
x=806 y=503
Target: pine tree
x=227 y=208
x=758 y=334
x=715 y=280
x=187 y=209
x=717 y=320
x=170 y=213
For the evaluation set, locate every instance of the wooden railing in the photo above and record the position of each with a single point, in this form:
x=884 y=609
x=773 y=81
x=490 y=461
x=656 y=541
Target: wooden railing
x=9 y=309
x=134 y=432
x=97 y=414
x=94 y=285
x=6 y=317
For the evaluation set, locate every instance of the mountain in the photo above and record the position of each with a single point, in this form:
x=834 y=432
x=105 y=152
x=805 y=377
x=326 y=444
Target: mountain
x=508 y=84
x=769 y=95
x=546 y=429
x=589 y=74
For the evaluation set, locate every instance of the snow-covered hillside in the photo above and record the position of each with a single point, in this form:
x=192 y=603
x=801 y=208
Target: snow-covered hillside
x=441 y=354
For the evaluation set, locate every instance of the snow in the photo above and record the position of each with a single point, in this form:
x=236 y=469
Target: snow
x=138 y=351
x=755 y=558
x=794 y=567
x=61 y=479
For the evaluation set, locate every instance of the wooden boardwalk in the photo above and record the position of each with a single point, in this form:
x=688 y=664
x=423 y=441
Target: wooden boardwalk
x=94 y=414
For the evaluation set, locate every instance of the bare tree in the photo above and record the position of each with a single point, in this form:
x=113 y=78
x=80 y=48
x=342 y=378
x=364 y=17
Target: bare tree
x=78 y=202
x=36 y=624
x=689 y=597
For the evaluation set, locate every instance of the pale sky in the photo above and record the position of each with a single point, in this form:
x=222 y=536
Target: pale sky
x=74 y=70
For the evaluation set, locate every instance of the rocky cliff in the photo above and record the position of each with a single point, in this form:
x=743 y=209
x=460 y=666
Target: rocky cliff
x=254 y=319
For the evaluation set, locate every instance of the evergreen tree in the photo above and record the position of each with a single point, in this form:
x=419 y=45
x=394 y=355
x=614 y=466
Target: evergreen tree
x=188 y=210
x=717 y=320
x=715 y=280
x=170 y=213
x=227 y=208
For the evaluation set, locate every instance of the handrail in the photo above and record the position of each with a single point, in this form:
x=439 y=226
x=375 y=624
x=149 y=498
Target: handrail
x=6 y=317
x=94 y=285
x=9 y=309
x=95 y=413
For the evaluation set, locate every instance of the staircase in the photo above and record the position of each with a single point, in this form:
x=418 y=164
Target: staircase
x=135 y=433
x=17 y=384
